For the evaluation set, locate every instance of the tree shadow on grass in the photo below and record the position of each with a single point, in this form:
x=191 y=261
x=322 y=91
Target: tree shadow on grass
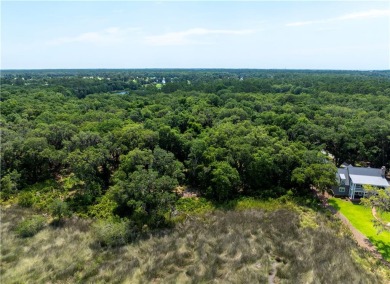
x=334 y=204
x=382 y=247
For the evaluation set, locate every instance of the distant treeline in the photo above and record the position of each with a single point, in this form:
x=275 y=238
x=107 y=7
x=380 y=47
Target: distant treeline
x=84 y=82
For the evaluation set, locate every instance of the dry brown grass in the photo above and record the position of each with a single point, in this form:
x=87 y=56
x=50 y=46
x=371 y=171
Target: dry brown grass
x=246 y=246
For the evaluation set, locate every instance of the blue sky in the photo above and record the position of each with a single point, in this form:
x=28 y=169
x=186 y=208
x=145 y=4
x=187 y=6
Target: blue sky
x=201 y=34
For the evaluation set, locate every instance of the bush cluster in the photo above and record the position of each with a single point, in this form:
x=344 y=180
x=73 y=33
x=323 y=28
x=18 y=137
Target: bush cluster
x=113 y=233
x=29 y=227
x=26 y=199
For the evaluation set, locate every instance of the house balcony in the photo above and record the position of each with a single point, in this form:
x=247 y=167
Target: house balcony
x=357 y=191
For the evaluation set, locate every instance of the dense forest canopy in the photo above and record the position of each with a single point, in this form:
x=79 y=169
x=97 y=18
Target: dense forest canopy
x=123 y=141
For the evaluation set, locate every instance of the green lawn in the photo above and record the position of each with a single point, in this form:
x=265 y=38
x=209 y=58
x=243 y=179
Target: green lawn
x=361 y=218
x=385 y=216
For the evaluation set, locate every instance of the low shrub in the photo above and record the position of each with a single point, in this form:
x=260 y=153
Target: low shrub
x=113 y=233
x=29 y=227
x=26 y=199
x=59 y=209
x=104 y=209
x=194 y=205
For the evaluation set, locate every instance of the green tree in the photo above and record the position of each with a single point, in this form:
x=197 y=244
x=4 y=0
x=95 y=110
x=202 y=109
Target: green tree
x=91 y=173
x=321 y=176
x=9 y=184
x=34 y=163
x=134 y=159
x=166 y=164
x=145 y=197
x=224 y=181
x=379 y=199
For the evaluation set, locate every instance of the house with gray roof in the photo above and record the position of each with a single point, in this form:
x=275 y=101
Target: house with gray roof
x=351 y=180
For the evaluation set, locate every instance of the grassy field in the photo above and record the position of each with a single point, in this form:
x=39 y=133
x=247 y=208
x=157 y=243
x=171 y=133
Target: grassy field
x=362 y=219
x=281 y=242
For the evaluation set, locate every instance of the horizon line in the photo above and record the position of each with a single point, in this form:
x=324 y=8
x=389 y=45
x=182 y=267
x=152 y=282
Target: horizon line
x=191 y=68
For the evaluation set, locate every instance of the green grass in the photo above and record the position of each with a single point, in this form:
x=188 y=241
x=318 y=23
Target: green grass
x=199 y=205
x=194 y=205
x=361 y=218
x=384 y=216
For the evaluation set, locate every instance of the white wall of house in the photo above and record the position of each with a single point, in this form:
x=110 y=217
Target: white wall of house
x=356 y=189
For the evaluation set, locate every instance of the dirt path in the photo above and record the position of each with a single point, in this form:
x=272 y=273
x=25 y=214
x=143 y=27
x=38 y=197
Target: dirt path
x=358 y=236
x=271 y=276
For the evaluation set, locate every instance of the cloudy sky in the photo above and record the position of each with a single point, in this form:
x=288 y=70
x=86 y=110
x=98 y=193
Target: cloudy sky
x=200 y=34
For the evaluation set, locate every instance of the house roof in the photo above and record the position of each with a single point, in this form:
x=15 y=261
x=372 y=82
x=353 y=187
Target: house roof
x=369 y=180
x=364 y=171
x=365 y=176
x=343 y=172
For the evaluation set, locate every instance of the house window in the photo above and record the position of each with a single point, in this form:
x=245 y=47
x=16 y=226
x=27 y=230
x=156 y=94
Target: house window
x=341 y=189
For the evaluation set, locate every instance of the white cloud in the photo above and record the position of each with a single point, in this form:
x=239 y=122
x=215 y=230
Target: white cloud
x=352 y=16
x=106 y=36
x=366 y=14
x=191 y=36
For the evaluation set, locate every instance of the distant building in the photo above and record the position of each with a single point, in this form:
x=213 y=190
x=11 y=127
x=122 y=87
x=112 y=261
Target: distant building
x=351 y=180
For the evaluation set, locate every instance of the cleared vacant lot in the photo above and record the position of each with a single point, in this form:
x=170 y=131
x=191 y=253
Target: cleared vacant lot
x=285 y=245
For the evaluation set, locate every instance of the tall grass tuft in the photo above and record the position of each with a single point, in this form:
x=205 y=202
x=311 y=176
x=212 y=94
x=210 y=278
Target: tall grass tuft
x=29 y=227
x=113 y=233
